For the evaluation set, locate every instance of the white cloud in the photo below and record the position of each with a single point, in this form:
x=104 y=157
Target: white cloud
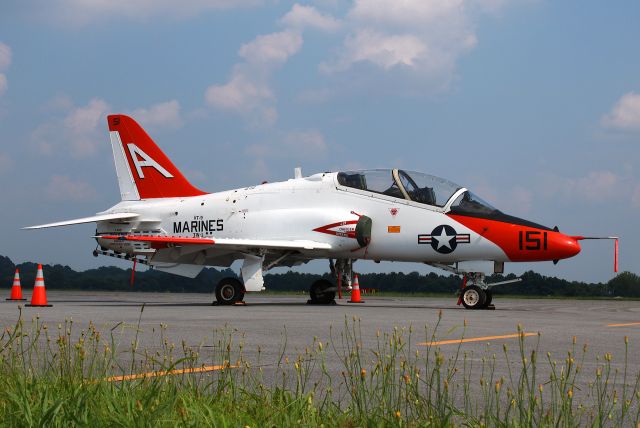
x=165 y=114
x=246 y=94
x=83 y=12
x=81 y=126
x=82 y=131
x=404 y=13
x=423 y=36
x=383 y=50
x=302 y=17
x=625 y=115
x=271 y=49
x=63 y=188
x=248 y=91
x=5 y=62
x=5 y=56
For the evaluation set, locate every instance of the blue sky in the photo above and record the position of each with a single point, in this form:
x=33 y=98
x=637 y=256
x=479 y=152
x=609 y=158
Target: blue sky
x=532 y=104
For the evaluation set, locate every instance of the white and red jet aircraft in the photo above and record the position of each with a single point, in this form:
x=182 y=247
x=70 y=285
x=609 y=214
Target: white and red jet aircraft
x=379 y=214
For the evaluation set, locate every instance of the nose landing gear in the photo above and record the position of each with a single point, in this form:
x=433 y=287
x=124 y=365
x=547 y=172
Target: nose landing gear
x=478 y=295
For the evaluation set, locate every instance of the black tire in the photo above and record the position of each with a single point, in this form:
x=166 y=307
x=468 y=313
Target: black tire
x=488 y=299
x=473 y=297
x=319 y=292
x=229 y=291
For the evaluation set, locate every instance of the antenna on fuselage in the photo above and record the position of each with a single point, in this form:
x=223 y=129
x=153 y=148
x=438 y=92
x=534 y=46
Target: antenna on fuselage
x=297 y=172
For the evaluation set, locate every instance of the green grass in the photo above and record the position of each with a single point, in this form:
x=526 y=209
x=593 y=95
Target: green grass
x=53 y=376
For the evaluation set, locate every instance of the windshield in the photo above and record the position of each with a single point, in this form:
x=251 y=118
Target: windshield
x=470 y=204
x=427 y=189
x=374 y=180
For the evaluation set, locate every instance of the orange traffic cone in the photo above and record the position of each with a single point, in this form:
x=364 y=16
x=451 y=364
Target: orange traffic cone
x=355 y=292
x=39 y=297
x=16 y=289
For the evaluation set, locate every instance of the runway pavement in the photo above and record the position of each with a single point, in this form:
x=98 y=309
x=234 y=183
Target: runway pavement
x=602 y=324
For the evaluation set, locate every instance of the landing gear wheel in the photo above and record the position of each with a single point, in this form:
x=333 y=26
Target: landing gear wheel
x=320 y=294
x=229 y=291
x=473 y=297
x=488 y=299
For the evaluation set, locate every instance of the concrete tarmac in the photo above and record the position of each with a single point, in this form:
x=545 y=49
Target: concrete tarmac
x=261 y=324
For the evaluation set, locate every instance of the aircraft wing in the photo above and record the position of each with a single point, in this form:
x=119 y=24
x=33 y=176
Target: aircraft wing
x=95 y=218
x=162 y=241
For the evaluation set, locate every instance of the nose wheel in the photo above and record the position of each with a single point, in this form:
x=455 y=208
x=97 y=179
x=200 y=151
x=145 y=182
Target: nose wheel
x=476 y=295
x=473 y=297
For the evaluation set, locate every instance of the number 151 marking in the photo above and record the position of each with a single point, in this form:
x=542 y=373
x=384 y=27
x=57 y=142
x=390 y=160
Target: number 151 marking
x=532 y=240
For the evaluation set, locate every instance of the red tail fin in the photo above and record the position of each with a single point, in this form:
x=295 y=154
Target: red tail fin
x=144 y=171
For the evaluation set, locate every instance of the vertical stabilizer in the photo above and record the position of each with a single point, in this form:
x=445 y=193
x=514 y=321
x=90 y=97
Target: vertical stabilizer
x=143 y=170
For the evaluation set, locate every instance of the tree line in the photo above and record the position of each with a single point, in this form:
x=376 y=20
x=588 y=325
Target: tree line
x=111 y=278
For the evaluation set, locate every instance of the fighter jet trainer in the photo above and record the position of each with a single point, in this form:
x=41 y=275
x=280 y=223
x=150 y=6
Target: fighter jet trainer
x=378 y=214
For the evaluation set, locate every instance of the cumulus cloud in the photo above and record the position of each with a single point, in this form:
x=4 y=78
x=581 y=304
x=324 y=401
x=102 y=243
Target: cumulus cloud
x=423 y=36
x=625 y=115
x=64 y=188
x=5 y=56
x=248 y=91
x=81 y=126
x=380 y=49
x=165 y=114
x=82 y=131
x=302 y=17
x=84 y=12
x=5 y=62
x=271 y=49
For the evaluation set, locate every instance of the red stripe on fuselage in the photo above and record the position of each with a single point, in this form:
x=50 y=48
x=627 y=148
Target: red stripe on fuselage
x=522 y=243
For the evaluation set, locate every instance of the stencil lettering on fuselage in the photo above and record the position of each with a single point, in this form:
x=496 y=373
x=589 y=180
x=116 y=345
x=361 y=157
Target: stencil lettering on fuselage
x=198 y=226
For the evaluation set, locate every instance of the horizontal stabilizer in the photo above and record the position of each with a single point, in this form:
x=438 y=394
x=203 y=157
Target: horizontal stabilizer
x=95 y=218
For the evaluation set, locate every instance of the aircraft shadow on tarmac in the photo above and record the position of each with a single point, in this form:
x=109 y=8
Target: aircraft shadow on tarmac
x=95 y=303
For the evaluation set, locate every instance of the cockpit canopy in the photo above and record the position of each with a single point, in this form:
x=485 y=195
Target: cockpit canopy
x=417 y=187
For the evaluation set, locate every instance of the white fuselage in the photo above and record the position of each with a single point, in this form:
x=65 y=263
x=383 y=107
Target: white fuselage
x=290 y=211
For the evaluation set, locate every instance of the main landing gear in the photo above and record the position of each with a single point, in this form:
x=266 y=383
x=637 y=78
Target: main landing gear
x=229 y=291
x=323 y=292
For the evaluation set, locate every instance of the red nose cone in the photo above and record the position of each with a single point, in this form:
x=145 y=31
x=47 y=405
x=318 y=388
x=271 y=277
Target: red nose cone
x=563 y=246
